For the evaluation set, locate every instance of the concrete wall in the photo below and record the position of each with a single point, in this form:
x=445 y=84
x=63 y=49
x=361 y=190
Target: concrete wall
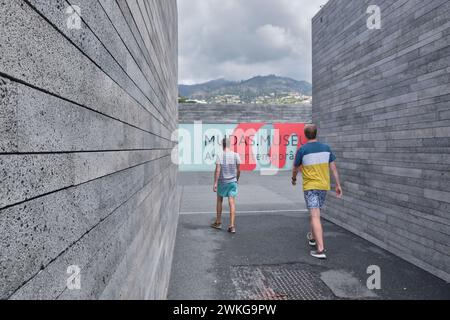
x=382 y=100
x=86 y=177
x=244 y=113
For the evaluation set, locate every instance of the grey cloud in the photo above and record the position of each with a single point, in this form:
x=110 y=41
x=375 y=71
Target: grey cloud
x=237 y=39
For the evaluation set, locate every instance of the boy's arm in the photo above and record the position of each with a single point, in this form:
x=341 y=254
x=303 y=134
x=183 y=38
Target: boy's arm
x=297 y=166
x=216 y=177
x=334 y=169
x=295 y=172
x=238 y=166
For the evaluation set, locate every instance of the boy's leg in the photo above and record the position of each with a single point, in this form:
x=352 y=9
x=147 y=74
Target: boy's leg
x=232 y=202
x=219 y=209
x=317 y=230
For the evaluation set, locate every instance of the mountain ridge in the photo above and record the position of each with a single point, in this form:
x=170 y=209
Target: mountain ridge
x=254 y=89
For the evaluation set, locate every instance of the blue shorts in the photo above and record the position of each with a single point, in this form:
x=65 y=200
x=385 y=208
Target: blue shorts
x=315 y=199
x=228 y=190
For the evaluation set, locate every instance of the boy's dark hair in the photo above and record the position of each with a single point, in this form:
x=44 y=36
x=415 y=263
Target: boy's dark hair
x=311 y=132
x=226 y=143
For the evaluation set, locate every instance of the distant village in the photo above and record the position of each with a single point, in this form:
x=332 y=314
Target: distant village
x=280 y=99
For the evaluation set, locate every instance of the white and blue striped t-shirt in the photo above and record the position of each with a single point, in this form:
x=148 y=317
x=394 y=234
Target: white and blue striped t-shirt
x=228 y=161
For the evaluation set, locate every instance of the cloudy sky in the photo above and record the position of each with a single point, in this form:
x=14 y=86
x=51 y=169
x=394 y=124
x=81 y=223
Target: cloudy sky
x=239 y=39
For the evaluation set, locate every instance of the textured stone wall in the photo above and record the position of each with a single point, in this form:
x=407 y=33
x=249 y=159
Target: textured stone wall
x=86 y=178
x=382 y=100
x=244 y=113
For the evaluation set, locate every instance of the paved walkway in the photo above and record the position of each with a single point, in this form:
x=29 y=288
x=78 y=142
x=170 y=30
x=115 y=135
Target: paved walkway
x=269 y=257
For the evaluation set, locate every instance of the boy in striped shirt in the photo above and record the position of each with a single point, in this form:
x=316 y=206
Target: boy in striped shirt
x=315 y=160
x=226 y=179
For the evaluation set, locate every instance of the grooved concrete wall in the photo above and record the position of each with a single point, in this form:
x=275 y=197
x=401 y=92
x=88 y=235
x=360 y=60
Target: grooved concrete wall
x=244 y=113
x=382 y=100
x=86 y=176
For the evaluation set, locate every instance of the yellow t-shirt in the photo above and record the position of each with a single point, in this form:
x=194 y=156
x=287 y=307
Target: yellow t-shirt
x=315 y=159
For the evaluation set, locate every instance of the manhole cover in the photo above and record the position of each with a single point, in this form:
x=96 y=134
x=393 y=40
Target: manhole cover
x=280 y=282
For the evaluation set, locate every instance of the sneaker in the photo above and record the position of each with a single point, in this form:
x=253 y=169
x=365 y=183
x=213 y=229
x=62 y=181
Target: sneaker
x=311 y=240
x=319 y=254
x=216 y=225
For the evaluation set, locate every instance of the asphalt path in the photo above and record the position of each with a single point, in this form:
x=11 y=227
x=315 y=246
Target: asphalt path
x=269 y=257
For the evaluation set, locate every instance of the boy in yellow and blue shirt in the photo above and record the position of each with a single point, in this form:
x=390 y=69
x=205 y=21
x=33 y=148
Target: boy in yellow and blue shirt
x=315 y=160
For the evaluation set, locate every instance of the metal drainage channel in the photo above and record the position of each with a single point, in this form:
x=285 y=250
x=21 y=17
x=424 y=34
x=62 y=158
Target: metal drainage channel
x=280 y=282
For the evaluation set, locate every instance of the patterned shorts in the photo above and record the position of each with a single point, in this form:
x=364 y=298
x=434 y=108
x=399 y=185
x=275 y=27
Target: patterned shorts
x=315 y=199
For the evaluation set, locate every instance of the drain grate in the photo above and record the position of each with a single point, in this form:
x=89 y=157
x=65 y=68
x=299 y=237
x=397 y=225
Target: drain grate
x=280 y=282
